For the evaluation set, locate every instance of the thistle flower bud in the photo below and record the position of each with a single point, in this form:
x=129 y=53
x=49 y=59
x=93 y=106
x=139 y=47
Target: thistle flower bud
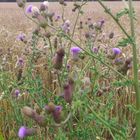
x=40 y=120
x=47 y=34
x=42 y=21
x=111 y=35
x=62 y=2
x=55 y=42
x=50 y=107
x=68 y=93
x=127 y=65
x=24 y=132
x=42 y=7
x=58 y=59
x=57 y=114
x=35 y=12
x=22 y=37
x=21 y=3
x=29 y=112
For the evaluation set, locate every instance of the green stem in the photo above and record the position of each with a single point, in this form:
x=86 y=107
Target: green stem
x=115 y=19
x=135 y=67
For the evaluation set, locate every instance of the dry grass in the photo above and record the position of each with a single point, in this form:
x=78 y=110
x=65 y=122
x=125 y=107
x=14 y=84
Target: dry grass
x=13 y=21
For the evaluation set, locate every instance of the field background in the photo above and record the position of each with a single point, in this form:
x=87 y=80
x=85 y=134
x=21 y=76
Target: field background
x=13 y=21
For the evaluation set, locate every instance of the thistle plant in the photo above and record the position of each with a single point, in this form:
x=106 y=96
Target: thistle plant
x=71 y=80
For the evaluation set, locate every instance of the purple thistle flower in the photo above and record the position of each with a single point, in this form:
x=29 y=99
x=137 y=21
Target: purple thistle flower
x=66 y=26
x=58 y=108
x=20 y=62
x=21 y=37
x=75 y=50
x=57 y=114
x=29 y=9
x=95 y=50
x=116 y=51
x=17 y=92
x=22 y=132
x=57 y=18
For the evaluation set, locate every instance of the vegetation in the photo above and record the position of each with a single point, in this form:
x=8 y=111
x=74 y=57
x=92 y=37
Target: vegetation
x=68 y=79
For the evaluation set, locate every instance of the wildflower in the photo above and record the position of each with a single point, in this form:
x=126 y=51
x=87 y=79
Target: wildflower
x=126 y=66
x=29 y=9
x=111 y=35
x=100 y=24
x=116 y=51
x=57 y=114
x=57 y=18
x=35 y=12
x=46 y=3
x=20 y=62
x=68 y=93
x=44 y=6
x=95 y=49
x=58 y=59
x=22 y=37
x=66 y=26
x=17 y=92
x=50 y=107
x=29 y=112
x=24 y=132
x=75 y=52
x=21 y=3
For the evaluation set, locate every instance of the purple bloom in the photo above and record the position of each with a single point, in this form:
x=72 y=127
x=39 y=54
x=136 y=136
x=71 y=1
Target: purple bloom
x=95 y=50
x=57 y=18
x=21 y=37
x=116 y=51
x=20 y=62
x=75 y=50
x=66 y=26
x=22 y=132
x=29 y=9
x=17 y=92
x=58 y=108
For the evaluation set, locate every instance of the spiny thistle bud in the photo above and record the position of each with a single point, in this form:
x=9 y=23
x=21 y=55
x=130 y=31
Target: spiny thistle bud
x=21 y=3
x=55 y=42
x=68 y=93
x=58 y=59
x=42 y=7
x=29 y=112
x=42 y=21
x=36 y=31
x=62 y=2
x=127 y=65
x=47 y=34
x=35 y=12
x=57 y=114
x=50 y=107
x=111 y=35
x=40 y=120
x=24 y=132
